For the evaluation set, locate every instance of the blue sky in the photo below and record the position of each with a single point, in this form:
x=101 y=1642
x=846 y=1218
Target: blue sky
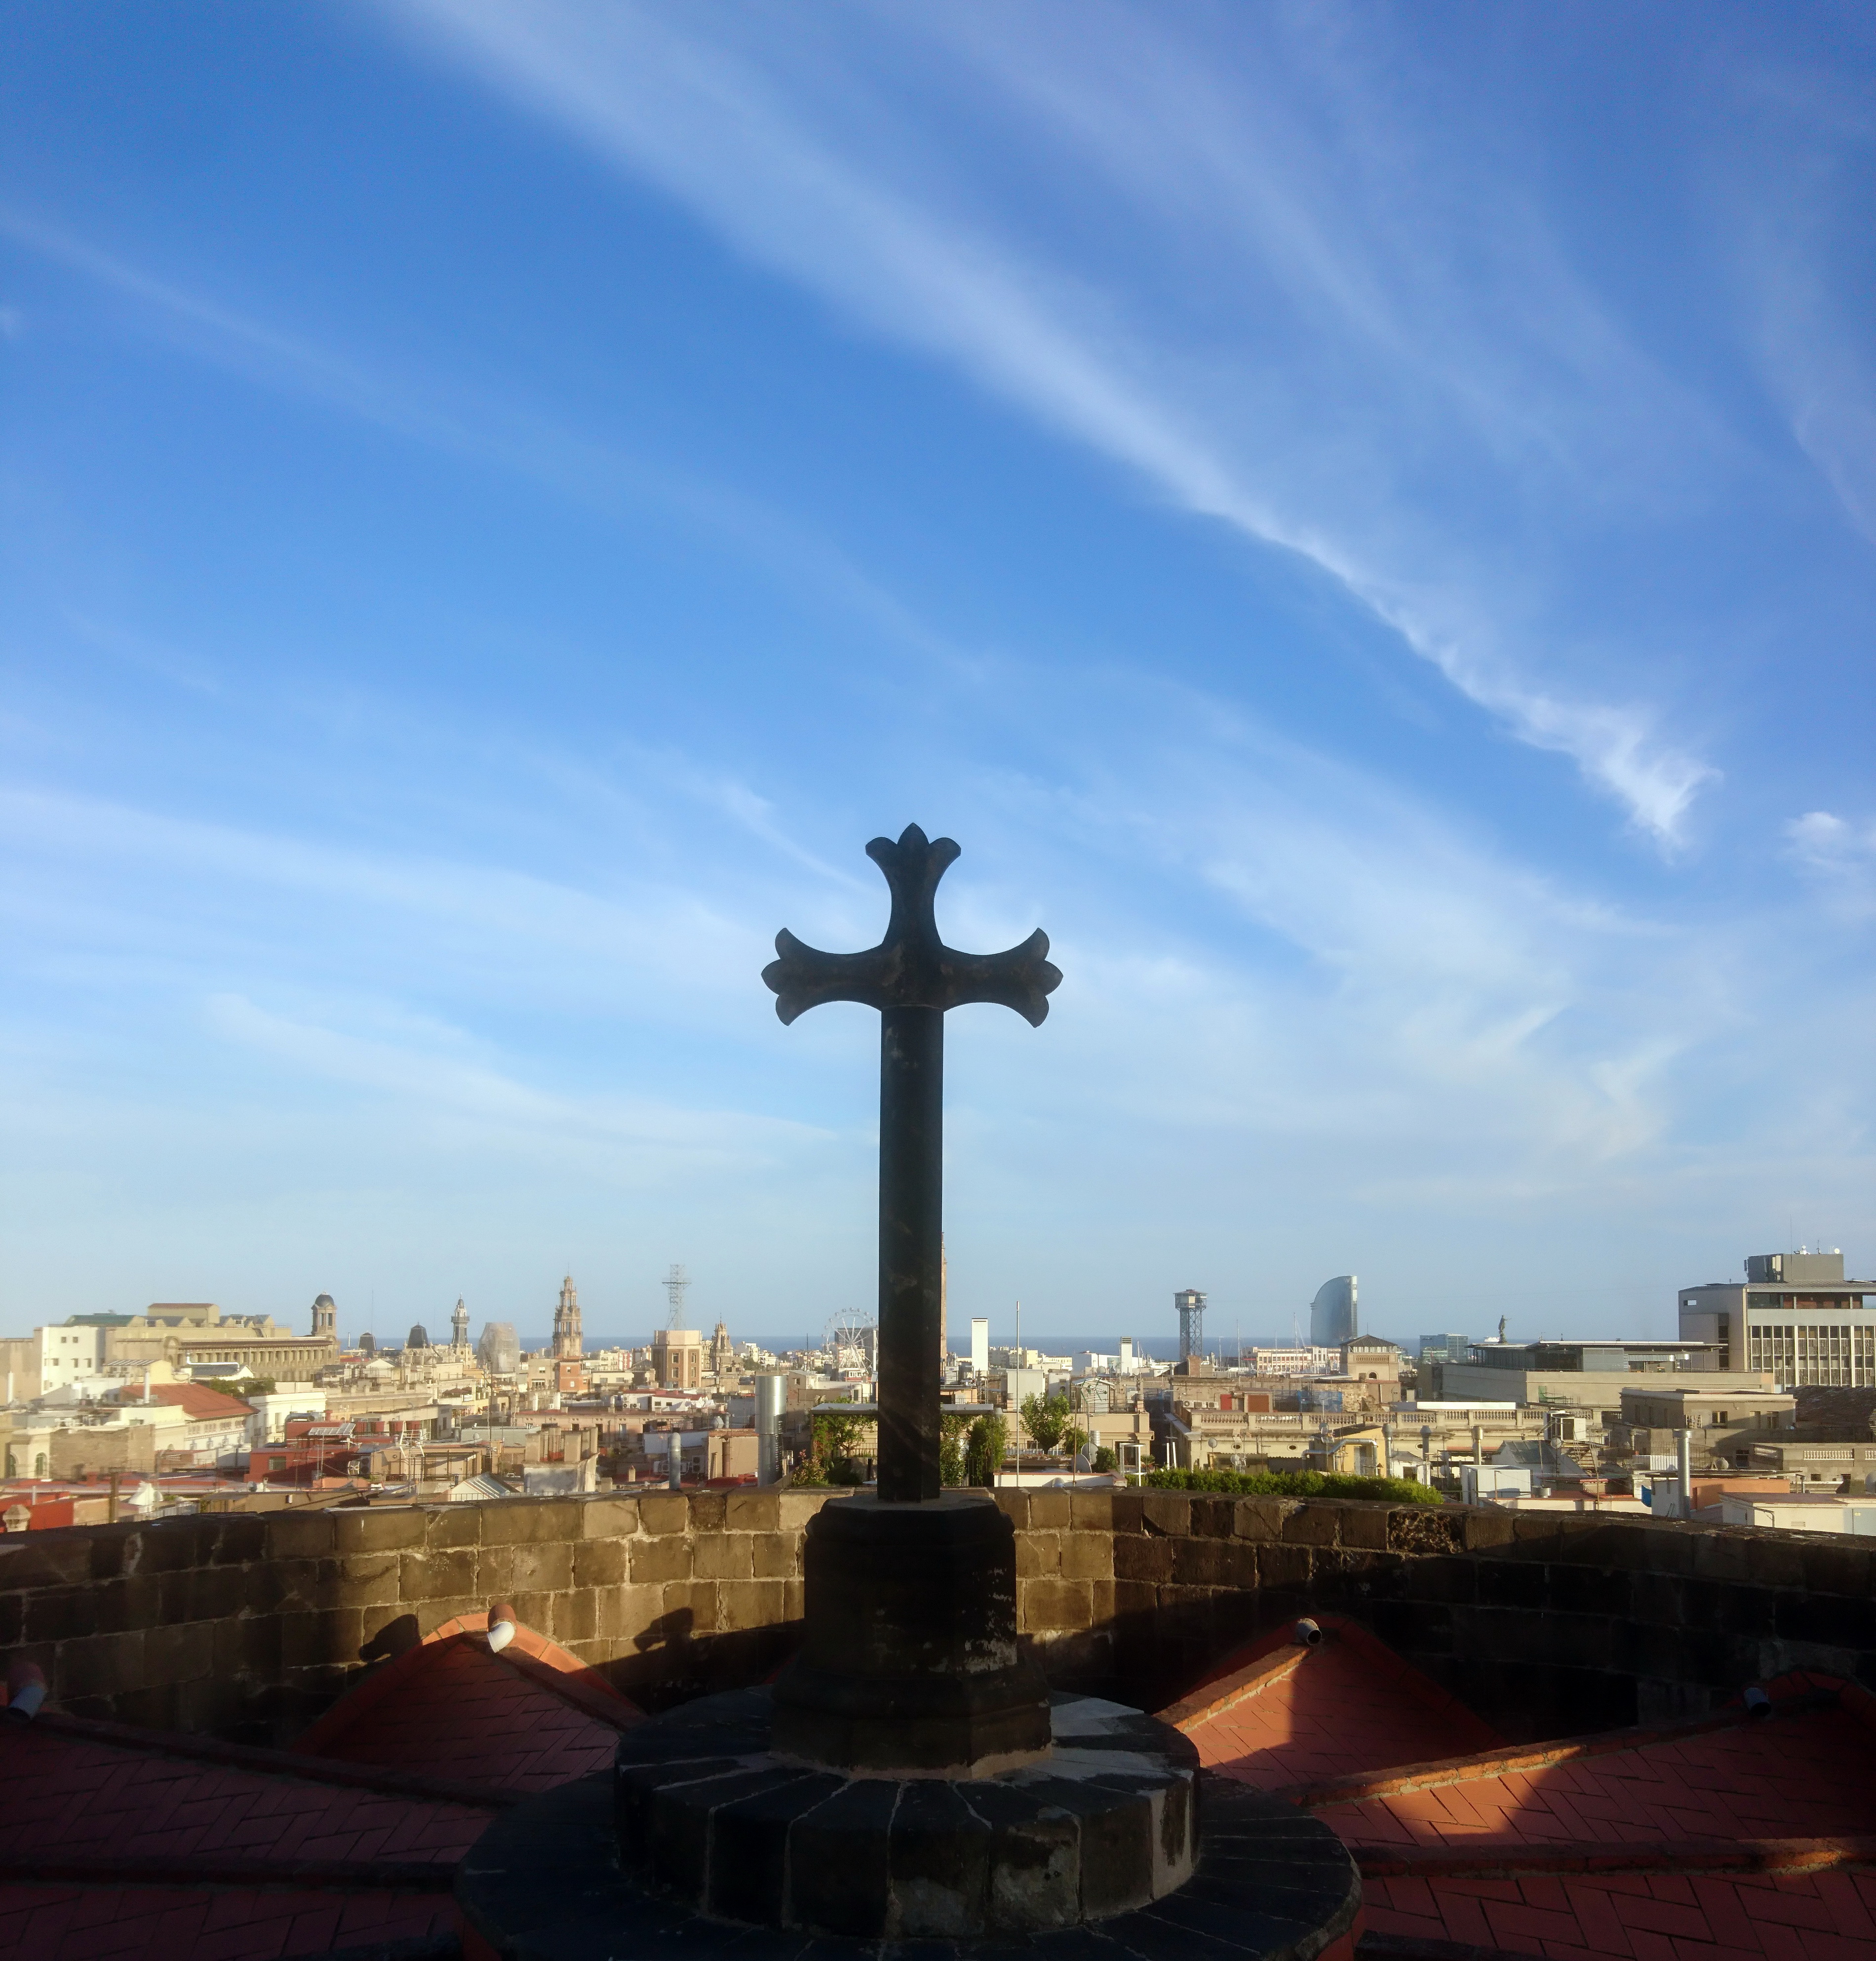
x=1361 y=522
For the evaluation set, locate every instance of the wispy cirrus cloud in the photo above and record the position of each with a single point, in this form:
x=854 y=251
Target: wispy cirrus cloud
x=495 y=429
x=1265 y=415
x=1840 y=856
x=449 y=1082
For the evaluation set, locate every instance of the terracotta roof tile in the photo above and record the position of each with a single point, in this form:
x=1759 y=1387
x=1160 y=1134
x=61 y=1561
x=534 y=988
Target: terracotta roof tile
x=1715 y=1797
x=74 y=1798
x=1801 y=1776
x=70 y=1922
x=1280 y=1714
x=450 y=1708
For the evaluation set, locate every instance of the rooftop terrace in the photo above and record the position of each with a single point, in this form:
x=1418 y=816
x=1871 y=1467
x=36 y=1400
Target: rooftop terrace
x=278 y=1734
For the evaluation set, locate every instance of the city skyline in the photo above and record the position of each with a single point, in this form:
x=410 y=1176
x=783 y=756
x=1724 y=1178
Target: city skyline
x=1359 y=522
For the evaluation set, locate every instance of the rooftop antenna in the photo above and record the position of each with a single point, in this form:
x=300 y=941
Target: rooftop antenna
x=677 y=1284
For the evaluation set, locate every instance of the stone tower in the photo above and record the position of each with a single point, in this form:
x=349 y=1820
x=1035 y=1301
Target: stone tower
x=326 y=1317
x=567 y=1344
x=459 y=1326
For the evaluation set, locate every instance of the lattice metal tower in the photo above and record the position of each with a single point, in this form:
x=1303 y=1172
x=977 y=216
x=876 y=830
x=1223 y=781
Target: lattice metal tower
x=1191 y=1311
x=677 y=1284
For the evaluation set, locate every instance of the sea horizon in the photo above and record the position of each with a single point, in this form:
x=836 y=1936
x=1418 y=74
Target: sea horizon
x=1159 y=1347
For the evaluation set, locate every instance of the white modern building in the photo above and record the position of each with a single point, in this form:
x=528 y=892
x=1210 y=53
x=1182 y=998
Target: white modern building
x=51 y=1358
x=1299 y=1361
x=1334 y=1316
x=1794 y=1318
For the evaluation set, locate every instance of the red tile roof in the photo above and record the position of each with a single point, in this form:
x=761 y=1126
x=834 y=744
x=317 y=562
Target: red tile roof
x=162 y=1923
x=116 y=1841
x=67 y=1796
x=1713 y=1840
x=1805 y=1775
x=195 y=1400
x=526 y=1719
x=1279 y=1714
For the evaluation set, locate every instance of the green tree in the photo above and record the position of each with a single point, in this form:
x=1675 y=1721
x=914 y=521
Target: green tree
x=951 y=1440
x=832 y=1458
x=249 y=1385
x=1046 y=1420
x=1295 y=1484
x=984 y=1445
x=1105 y=1460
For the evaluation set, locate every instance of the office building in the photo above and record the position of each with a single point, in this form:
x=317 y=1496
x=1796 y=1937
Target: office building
x=1591 y=1374
x=1795 y=1317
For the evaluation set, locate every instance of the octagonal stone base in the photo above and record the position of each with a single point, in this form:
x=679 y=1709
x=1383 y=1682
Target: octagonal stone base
x=1105 y=1821
x=703 y=1841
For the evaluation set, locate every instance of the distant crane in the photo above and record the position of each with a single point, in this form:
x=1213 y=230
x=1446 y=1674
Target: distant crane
x=677 y=1284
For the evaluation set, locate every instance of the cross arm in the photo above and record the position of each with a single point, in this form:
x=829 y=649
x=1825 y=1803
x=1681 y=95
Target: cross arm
x=912 y=967
x=804 y=977
x=1022 y=978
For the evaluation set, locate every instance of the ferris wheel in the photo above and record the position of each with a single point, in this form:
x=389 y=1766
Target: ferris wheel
x=852 y=1344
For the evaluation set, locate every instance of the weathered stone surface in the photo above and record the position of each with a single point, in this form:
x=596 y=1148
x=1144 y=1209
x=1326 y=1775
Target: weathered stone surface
x=1120 y=1586
x=370 y=1530
x=665 y=1558
x=1104 y=1824
x=722 y=1555
x=1271 y=1882
x=664 y=1512
x=605 y=1518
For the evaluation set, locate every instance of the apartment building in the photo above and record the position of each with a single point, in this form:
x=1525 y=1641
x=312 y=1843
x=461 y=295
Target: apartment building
x=1724 y=1424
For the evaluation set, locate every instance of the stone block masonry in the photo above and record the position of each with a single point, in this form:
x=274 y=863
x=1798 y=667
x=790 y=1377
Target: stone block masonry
x=247 y=1626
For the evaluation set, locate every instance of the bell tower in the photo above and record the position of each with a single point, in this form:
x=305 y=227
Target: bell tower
x=459 y=1325
x=326 y=1317
x=567 y=1344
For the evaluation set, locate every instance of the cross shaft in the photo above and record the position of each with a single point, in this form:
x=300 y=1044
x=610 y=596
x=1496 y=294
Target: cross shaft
x=912 y=977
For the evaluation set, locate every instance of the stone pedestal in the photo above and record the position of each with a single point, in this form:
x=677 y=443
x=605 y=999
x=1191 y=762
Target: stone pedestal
x=909 y=1659
x=704 y=1843
x=1104 y=1823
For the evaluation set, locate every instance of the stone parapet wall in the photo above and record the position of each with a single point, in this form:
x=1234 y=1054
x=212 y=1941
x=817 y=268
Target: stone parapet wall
x=1548 y=1624
x=247 y=1626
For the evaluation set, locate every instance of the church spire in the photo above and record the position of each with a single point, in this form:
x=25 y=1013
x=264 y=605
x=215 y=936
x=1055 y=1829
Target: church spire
x=567 y=1343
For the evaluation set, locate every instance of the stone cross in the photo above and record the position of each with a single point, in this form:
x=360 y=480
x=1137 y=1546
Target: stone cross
x=911 y=976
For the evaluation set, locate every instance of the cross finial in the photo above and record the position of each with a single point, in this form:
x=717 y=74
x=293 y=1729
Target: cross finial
x=912 y=967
